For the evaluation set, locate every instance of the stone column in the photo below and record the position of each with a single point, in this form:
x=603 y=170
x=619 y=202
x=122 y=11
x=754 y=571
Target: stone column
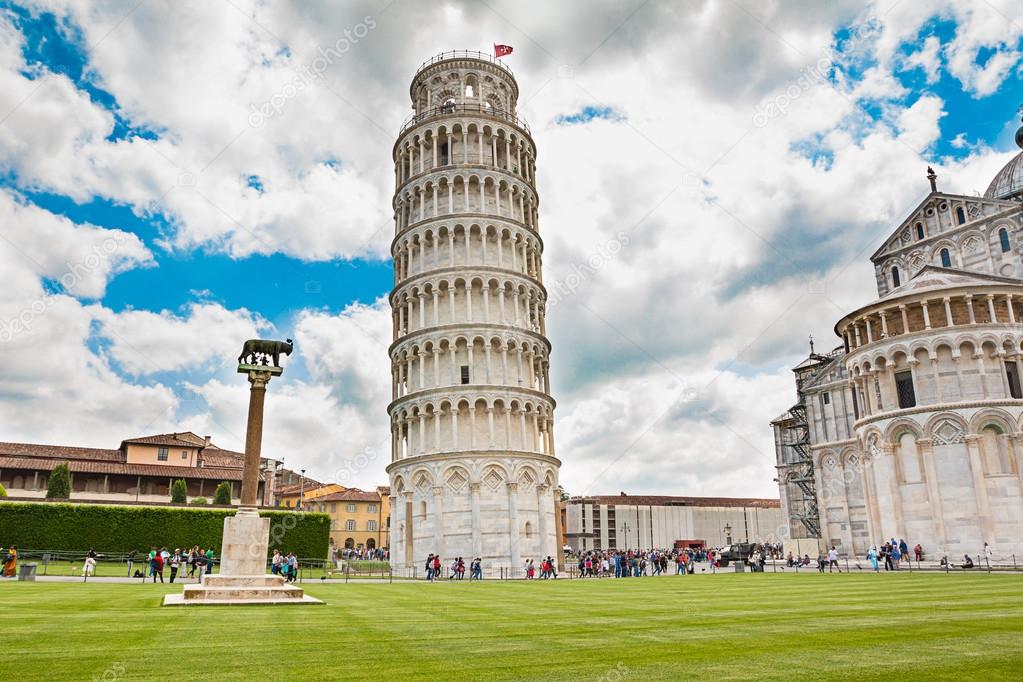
x=438 y=520
x=474 y=501
x=926 y=446
x=513 y=527
x=409 y=520
x=258 y=379
x=980 y=489
x=891 y=472
x=542 y=495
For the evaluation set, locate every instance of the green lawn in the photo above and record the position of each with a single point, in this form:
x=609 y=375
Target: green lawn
x=748 y=627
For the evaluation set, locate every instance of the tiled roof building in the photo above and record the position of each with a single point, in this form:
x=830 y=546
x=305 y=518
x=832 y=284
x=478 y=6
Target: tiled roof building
x=139 y=469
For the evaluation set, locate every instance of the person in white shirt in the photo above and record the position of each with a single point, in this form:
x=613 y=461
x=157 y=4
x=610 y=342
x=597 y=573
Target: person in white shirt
x=833 y=559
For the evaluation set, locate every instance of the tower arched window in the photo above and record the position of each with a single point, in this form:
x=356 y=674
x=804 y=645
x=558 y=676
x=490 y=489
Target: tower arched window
x=896 y=281
x=919 y=231
x=960 y=215
x=1003 y=239
x=946 y=259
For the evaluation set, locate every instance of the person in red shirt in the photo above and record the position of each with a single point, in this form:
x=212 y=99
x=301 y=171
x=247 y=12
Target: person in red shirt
x=158 y=567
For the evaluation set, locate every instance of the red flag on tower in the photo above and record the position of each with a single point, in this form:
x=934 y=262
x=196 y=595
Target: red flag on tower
x=502 y=50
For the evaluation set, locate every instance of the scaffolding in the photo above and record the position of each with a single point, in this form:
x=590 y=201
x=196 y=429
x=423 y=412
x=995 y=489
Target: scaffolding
x=803 y=474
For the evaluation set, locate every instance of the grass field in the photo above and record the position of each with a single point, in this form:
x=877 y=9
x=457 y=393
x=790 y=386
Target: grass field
x=749 y=627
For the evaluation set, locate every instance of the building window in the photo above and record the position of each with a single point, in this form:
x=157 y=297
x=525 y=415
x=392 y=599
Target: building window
x=960 y=215
x=162 y=455
x=919 y=231
x=371 y=525
x=333 y=507
x=946 y=259
x=371 y=508
x=351 y=507
x=350 y=524
x=825 y=398
x=184 y=454
x=1003 y=239
x=465 y=374
x=1012 y=374
x=896 y=282
x=904 y=387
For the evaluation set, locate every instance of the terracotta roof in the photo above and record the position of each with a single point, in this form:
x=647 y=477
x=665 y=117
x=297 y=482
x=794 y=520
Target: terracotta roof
x=187 y=439
x=59 y=452
x=296 y=488
x=384 y=490
x=350 y=495
x=102 y=467
x=214 y=456
x=674 y=501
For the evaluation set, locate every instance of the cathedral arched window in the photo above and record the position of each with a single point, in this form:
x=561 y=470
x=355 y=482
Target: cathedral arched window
x=946 y=259
x=960 y=215
x=896 y=282
x=1003 y=239
x=919 y=230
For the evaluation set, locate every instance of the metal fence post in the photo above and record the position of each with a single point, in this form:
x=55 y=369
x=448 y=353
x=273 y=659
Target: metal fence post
x=988 y=560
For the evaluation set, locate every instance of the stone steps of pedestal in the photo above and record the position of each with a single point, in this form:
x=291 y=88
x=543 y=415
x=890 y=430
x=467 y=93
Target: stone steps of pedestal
x=238 y=593
x=243 y=580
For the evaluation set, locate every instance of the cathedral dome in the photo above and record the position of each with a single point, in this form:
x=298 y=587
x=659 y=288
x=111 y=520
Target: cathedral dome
x=1008 y=184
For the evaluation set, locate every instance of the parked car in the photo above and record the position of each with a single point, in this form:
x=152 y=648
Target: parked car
x=740 y=551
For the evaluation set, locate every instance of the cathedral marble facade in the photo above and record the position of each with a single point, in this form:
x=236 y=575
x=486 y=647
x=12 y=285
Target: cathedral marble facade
x=913 y=426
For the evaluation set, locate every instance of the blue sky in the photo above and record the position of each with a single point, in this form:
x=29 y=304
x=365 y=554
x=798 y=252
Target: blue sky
x=135 y=123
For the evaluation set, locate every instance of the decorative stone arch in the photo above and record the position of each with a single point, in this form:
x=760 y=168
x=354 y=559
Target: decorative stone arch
x=422 y=480
x=946 y=428
x=493 y=475
x=897 y=427
x=1005 y=422
x=456 y=478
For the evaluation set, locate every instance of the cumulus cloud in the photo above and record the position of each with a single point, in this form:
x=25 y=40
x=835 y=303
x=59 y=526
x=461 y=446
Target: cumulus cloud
x=721 y=206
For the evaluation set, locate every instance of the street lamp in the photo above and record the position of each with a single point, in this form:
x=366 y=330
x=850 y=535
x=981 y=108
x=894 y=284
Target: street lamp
x=625 y=529
x=301 y=489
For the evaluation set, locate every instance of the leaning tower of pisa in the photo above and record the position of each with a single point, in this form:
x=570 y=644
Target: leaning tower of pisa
x=473 y=470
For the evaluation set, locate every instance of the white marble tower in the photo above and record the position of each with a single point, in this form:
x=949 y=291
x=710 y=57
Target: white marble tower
x=473 y=471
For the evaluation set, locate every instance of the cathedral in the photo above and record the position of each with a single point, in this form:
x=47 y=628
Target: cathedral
x=912 y=427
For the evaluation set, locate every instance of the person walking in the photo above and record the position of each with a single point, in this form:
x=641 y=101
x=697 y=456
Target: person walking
x=292 y=567
x=872 y=558
x=429 y=568
x=200 y=562
x=90 y=563
x=209 y=560
x=918 y=551
x=833 y=559
x=157 y=567
x=175 y=562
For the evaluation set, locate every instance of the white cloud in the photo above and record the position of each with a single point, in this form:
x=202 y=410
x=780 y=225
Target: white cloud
x=741 y=237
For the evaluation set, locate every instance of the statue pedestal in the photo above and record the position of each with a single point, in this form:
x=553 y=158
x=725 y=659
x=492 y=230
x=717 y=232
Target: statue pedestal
x=245 y=544
x=242 y=578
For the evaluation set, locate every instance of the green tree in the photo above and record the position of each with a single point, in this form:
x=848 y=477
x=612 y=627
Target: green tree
x=179 y=491
x=199 y=501
x=222 y=494
x=60 y=483
x=3 y=491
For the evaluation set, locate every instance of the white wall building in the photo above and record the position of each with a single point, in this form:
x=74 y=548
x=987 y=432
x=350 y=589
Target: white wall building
x=603 y=522
x=913 y=427
x=473 y=470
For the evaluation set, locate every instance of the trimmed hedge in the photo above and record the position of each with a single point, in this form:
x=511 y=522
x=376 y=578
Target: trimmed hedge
x=60 y=526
